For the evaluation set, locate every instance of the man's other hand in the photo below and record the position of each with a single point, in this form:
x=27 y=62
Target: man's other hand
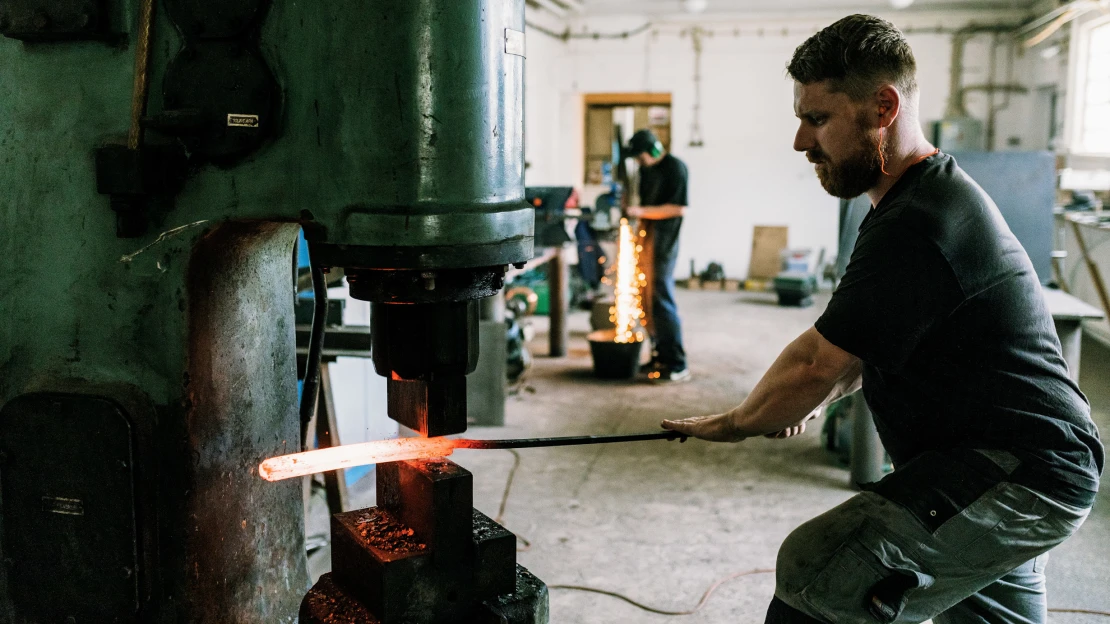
x=718 y=428
x=797 y=429
x=789 y=432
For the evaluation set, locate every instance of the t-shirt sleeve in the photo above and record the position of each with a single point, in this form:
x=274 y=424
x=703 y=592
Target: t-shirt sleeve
x=679 y=179
x=898 y=287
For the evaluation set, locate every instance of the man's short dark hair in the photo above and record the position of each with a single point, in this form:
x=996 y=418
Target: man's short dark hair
x=856 y=55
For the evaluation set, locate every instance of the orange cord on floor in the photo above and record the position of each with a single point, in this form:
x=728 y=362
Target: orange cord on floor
x=639 y=605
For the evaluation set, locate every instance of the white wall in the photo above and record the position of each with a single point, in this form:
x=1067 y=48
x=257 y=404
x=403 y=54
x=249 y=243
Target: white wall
x=545 y=145
x=746 y=174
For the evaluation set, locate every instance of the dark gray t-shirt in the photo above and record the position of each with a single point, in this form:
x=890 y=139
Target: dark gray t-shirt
x=943 y=306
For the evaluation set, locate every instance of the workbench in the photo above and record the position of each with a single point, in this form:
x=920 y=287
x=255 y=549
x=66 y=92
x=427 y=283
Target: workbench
x=1081 y=239
x=1068 y=314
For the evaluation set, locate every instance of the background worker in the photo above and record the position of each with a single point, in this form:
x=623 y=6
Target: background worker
x=941 y=318
x=663 y=183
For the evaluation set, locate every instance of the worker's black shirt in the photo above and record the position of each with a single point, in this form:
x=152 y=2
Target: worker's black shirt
x=943 y=306
x=660 y=184
x=664 y=182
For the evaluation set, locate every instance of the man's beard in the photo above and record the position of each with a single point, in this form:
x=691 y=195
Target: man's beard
x=856 y=174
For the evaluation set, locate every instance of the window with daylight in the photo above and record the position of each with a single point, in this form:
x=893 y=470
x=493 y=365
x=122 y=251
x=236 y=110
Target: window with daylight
x=1094 y=120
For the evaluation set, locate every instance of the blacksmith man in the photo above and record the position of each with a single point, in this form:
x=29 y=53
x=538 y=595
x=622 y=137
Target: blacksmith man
x=941 y=318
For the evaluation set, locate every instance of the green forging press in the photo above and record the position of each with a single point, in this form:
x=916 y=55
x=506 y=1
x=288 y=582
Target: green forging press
x=157 y=159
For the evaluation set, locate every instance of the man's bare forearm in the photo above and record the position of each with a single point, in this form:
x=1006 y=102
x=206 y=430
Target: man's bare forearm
x=794 y=386
x=810 y=372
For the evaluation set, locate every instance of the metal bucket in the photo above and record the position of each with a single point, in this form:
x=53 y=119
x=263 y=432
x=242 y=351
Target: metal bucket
x=614 y=360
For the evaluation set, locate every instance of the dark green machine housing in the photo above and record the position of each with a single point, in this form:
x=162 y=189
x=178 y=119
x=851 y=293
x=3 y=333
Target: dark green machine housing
x=147 y=360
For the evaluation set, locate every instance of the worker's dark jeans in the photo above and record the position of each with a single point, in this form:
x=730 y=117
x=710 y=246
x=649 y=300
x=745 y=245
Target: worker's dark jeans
x=938 y=539
x=666 y=326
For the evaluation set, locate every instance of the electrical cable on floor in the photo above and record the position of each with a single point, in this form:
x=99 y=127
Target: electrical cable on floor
x=639 y=605
x=701 y=603
x=505 y=499
x=583 y=588
x=508 y=486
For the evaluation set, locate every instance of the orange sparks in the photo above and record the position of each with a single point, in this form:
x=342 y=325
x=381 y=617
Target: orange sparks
x=628 y=311
x=350 y=455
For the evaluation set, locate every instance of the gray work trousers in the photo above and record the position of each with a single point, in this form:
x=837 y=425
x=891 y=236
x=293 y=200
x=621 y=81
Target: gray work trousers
x=874 y=560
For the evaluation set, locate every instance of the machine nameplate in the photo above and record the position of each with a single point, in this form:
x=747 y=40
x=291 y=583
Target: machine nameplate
x=242 y=121
x=514 y=42
x=64 y=506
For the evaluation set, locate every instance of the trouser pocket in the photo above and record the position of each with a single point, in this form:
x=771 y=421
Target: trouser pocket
x=869 y=578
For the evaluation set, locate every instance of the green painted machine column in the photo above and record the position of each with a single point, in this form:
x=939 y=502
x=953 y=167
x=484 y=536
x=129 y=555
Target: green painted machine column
x=143 y=378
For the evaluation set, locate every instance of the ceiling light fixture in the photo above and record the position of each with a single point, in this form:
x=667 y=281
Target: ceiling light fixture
x=694 y=6
x=901 y=4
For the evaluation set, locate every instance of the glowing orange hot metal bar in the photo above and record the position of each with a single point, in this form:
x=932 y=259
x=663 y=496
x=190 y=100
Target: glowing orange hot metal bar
x=401 y=449
x=351 y=455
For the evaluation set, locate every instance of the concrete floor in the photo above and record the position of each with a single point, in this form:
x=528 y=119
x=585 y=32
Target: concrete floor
x=661 y=521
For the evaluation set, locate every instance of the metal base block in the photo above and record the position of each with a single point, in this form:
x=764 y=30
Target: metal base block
x=528 y=604
x=424 y=556
x=328 y=603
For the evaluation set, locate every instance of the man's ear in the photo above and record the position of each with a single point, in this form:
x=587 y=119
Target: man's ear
x=889 y=104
